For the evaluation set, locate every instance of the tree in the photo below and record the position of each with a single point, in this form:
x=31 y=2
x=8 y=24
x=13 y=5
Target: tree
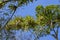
x=21 y=23
x=12 y=8
x=25 y=24
x=48 y=18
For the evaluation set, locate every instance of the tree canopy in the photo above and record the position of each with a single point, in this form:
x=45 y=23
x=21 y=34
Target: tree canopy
x=46 y=20
x=7 y=10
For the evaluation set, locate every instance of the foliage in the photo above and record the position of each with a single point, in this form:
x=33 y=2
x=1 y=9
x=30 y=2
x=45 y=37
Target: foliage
x=49 y=18
x=5 y=17
x=46 y=20
x=13 y=5
x=22 y=23
x=20 y=2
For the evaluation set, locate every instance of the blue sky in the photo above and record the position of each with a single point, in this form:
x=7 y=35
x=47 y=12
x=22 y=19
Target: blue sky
x=30 y=10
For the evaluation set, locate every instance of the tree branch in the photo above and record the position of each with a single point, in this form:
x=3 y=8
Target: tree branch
x=8 y=20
